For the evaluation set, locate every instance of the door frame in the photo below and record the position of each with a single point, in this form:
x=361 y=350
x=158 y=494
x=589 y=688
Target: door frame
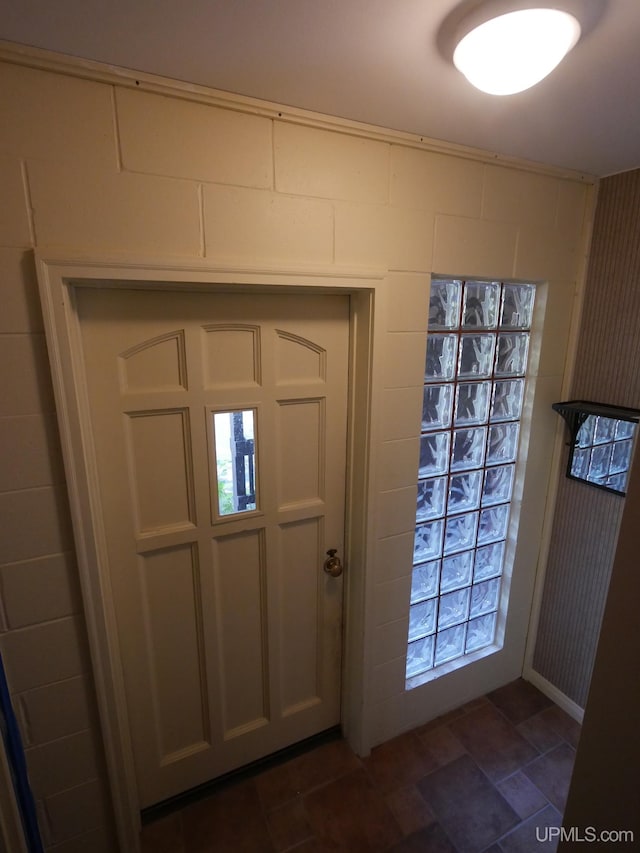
x=59 y=276
x=12 y=833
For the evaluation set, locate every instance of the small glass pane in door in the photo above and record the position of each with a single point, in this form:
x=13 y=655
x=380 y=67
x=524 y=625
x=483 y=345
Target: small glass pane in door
x=235 y=456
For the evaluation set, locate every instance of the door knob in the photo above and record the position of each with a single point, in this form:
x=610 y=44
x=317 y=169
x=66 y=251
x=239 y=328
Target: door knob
x=332 y=564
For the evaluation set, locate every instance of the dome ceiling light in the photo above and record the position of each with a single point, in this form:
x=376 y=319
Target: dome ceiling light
x=506 y=46
x=513 y=52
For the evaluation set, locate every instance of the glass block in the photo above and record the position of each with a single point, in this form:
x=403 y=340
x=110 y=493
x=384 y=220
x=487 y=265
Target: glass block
x=468 y=448
x=464 y=491
x=580 y=463
x=507 y=400
x=488 y=561
x=517 y=306
x=617 y=481
x=454 y=608
x=473 y=398
x=424 y=580
x=436 y=407
x=427 y=543
x=475 y=360
x=450 y=644
x=460 y=532
x=493 y=524
x=512 y=354
x=441 y=358
x=419 y=656
x=503 y=443
x=434 y=454
x=587 y=432
x=605 y=430
x=480 y=305
x=431 y=499
x=472 y=403
x=480 y=632
x=620 y=457
x=456 y=571
x=484 y=597
x=422 y=619
x=599 y=463
x=498 y=485
x=444 y=304
x=625 y=429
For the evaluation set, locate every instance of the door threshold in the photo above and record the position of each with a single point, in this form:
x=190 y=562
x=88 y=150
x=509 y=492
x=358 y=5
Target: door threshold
x=247 y=771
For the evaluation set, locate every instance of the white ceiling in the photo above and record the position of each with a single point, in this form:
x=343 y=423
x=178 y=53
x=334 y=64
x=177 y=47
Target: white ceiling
x=374 y=61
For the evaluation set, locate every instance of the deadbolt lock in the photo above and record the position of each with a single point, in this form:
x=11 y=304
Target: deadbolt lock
x=332 y=564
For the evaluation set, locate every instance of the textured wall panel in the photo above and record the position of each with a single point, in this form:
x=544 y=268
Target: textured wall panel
x=608 y=371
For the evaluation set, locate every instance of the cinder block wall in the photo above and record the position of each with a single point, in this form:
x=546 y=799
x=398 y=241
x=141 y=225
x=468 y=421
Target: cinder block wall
x=92 y=162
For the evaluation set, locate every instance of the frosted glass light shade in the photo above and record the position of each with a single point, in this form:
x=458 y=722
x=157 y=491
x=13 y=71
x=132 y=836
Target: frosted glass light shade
x=515 y=51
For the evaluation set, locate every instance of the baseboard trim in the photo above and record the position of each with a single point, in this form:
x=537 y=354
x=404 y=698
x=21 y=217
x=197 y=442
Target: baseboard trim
x=568 y=705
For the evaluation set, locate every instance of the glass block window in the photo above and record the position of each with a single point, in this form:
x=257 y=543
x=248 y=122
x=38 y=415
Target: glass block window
x=602 y=453
x=476 y=362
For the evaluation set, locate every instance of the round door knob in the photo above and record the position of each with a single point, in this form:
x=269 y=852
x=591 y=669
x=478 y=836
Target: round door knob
x=332 y=564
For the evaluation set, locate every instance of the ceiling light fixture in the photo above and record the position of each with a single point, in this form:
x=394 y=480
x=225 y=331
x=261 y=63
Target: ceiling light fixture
x=512 y=52
x=506 y=46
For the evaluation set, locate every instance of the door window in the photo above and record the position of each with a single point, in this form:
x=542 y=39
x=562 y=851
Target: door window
x=235 y=456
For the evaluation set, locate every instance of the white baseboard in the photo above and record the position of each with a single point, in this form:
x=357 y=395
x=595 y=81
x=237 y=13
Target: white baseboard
x=557 y=696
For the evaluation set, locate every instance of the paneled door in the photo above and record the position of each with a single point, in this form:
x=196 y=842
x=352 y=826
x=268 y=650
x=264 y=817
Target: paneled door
x=219 y=431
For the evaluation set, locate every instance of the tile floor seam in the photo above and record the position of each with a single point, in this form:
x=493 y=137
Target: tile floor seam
x=333 y=779
x=300 y=845
x=521 y=767
x=397 y=823
x=448 y=836
x=519 y=826
x=494 y=782
x=546 y=751
x=493 y=786
x=511 y=722
x=521 y=770
x=297 y=845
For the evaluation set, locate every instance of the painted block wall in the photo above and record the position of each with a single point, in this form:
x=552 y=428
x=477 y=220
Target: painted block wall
x=93 y=162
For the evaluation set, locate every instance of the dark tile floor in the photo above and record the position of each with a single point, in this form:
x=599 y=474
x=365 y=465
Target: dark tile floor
x=480 y=779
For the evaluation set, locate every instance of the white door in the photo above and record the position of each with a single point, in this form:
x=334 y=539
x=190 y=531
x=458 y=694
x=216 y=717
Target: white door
x=219 y=425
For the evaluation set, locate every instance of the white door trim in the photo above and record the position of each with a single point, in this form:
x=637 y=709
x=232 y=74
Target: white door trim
x=59 y=275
